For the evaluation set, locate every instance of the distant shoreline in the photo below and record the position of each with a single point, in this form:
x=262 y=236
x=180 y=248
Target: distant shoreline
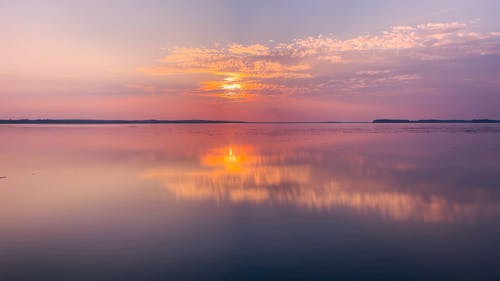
x=151 y=121
x=428 y=121
x=96 y=121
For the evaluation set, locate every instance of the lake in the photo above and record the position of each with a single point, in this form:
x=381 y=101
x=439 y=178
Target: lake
x=250 y=202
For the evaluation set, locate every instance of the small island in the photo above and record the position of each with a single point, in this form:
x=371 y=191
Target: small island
x=434 y=121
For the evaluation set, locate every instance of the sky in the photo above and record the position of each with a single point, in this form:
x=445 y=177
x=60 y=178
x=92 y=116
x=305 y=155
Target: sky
x=274 y=60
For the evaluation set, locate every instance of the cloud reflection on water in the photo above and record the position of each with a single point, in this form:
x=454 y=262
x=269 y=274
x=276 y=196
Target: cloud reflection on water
x=252 y=174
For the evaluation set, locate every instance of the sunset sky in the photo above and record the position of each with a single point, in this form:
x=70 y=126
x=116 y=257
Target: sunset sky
x=250 y=60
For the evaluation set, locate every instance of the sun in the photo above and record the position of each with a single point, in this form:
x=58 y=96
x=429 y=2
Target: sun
x=230 y=83
x=231 y=87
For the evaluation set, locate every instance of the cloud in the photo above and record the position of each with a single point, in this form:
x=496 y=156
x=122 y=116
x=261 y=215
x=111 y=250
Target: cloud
x=328 y=65
x=256 y=49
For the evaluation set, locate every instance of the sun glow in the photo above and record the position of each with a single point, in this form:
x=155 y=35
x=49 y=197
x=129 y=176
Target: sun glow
x=232 y=86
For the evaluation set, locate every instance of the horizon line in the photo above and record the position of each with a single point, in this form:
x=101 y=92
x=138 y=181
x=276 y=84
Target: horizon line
x=77 y=121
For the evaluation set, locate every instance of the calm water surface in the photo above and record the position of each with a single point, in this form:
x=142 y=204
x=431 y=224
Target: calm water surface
x=250 y=202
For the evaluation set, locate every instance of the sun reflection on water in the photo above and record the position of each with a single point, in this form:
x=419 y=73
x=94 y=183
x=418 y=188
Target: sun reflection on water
x=241 y=174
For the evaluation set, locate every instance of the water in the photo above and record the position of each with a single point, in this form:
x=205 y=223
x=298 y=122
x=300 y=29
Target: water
x=250 y=202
